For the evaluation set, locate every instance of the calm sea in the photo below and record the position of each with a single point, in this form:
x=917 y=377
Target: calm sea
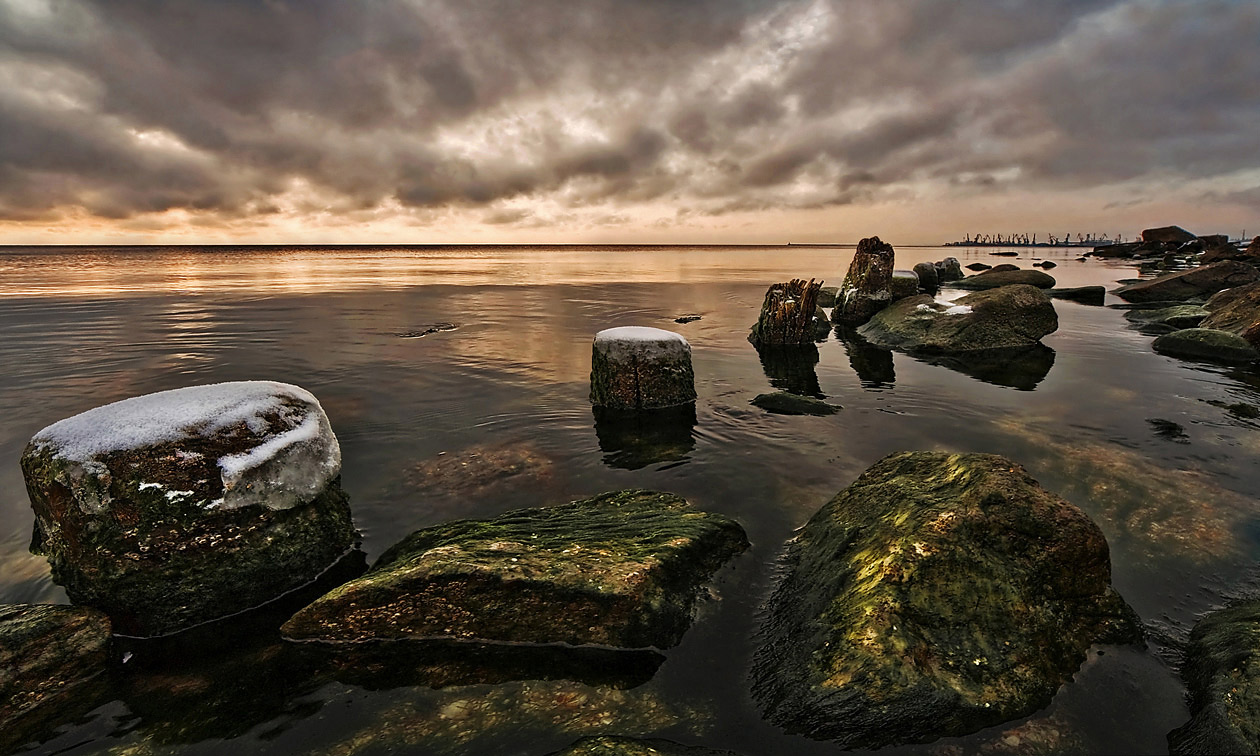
x=493 y=415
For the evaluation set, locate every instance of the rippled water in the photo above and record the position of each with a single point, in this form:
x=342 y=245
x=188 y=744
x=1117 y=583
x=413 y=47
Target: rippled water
x=505 y=395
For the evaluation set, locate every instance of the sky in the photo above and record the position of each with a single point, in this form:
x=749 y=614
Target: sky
x=620 y=121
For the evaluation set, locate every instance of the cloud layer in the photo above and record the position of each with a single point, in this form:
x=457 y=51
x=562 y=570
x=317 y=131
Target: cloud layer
x=513 y=114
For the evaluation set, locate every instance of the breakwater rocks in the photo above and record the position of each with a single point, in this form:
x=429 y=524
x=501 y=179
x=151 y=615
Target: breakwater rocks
x=1007 y=317
x=1188 y=284
x=173 y=509
x=49 y=655
x=790 y=316
x=621 y=569
x=936 y=595
x=867 y=286
x=636 y=368
x=1222 y=673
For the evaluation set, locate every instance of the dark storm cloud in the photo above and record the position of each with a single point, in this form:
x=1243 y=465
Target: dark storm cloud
x=123 y=107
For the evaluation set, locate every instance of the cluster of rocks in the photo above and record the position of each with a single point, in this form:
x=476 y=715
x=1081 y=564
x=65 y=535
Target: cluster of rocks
x=1207 y=312
x=1173 y=246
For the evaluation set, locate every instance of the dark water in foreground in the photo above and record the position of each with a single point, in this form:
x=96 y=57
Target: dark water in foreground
x=504 y=395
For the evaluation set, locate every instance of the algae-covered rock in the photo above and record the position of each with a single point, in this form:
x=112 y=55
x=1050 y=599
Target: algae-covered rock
x=904 y=283
x=992 y=279
x=1091 y=295
x=1207 y=344
x=784 y=403
x=948 y=270
x=936 y=595
x=1222 y=672
x=827 y=296
x=929 y=279
x=866 y=288
x=613 y=745
x=177 y=508
x=1236 y=310
x=621 y=569
x=1175 y=317
x=49 y=655
x=636 y=367
x=1003 y=318
x=1187 y=284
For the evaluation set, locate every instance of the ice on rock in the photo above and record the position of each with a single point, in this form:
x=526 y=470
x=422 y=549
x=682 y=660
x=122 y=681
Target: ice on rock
x=290 y=452
x=958 y=310
x=643 y=341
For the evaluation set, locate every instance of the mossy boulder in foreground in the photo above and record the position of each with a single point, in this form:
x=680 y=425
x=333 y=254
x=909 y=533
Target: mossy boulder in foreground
x=936 y=595
x=621 y=569
x=1222 y=671
x=613 y=745
x=1206 y=344
x=48 y=655
x=173 y=509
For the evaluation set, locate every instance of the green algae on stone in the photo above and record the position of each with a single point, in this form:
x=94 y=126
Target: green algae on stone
x=49 y=657
x=1207 y=344
x=1222 y=672
x=994 y=278
x=621 y=569
x=936 y=595
x=1009 y=317
x=614 y=745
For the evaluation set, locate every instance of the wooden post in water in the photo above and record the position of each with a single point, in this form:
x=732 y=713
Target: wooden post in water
x=787 y=315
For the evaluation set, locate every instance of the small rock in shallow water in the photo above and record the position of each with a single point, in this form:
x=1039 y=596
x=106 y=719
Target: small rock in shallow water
x=430 y=330
x=978 y=266
x=1168 y=430
x=1207 y=344
x=1091 y=295
x=636 y=367
x=783 y=403
x=478 y=469
x=687 y=318
x=621 y=569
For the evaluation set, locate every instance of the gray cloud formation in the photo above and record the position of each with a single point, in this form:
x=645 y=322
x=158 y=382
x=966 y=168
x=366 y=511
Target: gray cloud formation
x=124 y=107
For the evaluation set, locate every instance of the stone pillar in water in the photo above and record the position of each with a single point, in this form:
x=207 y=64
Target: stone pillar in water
x=867 y=286
x=636 y=368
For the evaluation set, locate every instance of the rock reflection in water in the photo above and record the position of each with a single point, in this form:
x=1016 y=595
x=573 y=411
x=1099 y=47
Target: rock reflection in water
x=634 y=439
x=873 y=365
x=1019 y=369
x=499 y=719
x=442 y=663
x=791 y=369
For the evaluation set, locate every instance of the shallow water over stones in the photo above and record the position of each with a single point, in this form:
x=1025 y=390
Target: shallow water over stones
x=507 y=393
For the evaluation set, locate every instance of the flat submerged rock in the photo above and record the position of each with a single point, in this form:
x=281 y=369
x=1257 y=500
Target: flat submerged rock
x=937 y=595
x=621 y=569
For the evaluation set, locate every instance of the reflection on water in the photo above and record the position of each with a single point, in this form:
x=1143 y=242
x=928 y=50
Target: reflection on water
x=791 y=368
x=495 y=416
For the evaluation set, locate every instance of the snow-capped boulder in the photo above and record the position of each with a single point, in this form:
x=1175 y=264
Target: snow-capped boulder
x=180 y=507
x=636 y=367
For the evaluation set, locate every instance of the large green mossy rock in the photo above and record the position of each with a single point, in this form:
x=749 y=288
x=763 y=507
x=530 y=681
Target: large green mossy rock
x=1236 y=310
x=612 y=745
x=936 y=595
x=1222 y=672
x=1010 y=317
x=621 y=569
x=177 y=508
x=49 y=657
x=1175 y=317
x=1207 y=344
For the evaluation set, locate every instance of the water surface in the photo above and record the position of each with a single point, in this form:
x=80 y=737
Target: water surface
x=505 y=396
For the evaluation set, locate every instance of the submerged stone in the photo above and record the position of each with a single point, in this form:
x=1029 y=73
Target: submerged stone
x=1177 y=316
x=614 y=745
x=181 y=507
x=1222 y=672
x=1207 y=344
x=636 y=367
x=936 y=595
x=49 y=655
x=621 y=569
x=1091 y=295
x=783 y=403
